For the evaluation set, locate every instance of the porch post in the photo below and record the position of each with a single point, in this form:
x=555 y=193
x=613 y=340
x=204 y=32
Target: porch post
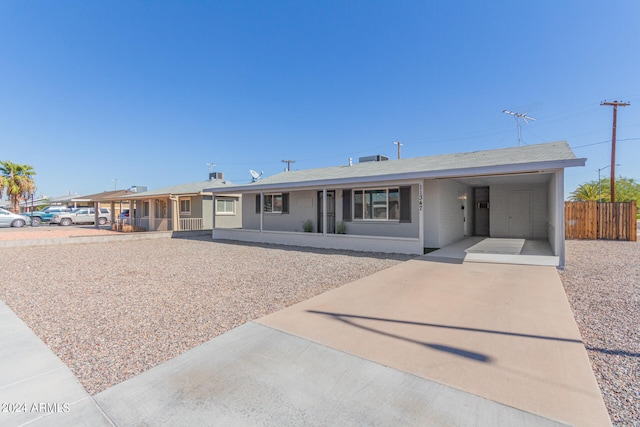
x=152 y=214
x=324 y=211
x=175 y=214
x=421 y=212
x=261 y=209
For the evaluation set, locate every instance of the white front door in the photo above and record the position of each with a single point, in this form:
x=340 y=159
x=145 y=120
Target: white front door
x=519 y=214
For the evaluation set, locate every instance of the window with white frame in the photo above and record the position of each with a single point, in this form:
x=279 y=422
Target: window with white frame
x=382 y=204
x=185 y=206
x=225 y=206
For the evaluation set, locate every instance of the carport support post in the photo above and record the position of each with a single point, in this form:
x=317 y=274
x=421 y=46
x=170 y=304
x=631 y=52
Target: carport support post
x=559 y=228
x=96 y=214
x=112 y=208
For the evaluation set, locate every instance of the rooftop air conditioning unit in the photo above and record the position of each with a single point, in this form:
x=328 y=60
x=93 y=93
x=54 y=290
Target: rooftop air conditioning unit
x=215 y=175
x=376 y=158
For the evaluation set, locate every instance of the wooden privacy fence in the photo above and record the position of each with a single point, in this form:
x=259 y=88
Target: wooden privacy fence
x=595 y=220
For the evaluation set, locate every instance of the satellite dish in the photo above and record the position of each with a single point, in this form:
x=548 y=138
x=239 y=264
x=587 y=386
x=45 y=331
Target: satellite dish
x=255 y=175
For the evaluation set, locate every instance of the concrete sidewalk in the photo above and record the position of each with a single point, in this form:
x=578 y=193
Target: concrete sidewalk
x=36 y=388
x=421 y=343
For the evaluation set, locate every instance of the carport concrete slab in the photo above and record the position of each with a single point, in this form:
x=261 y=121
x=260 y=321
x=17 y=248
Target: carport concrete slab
x=36 y=387
x=503 y=332
x=256 y=375
x=496 y=251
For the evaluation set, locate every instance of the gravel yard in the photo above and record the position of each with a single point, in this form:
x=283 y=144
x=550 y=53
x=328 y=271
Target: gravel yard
x=602 y=282
x=113 y=310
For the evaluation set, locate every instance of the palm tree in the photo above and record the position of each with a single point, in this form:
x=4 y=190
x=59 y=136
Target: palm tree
x=586 y=192
x=17 y=181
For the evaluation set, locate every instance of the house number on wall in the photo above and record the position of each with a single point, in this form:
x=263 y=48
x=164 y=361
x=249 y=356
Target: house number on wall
x=420 y=197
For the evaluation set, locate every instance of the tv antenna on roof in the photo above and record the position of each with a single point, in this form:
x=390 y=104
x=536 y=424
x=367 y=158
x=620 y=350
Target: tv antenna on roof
x=519 y=116
x=211 y=165
x=255 y=175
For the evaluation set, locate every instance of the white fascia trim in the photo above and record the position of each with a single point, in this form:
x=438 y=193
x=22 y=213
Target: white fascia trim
x=533 y=167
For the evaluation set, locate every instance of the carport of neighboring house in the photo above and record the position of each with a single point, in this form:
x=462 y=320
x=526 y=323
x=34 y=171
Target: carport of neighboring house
x=411 y=204
x=111 y=199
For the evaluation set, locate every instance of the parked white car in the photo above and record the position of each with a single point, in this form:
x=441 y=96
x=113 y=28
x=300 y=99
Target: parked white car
x=9 y=219
x=82 y=216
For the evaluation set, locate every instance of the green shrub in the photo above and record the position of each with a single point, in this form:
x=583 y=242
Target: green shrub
x=307 y=226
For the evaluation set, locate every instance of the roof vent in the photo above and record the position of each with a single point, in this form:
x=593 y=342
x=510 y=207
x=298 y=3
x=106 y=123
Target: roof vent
x=215 y=175
x=376 y=158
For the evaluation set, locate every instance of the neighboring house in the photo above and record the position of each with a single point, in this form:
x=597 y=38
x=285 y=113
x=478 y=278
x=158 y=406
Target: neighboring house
x=112 y=199
x=407 y=205
x=185 y=207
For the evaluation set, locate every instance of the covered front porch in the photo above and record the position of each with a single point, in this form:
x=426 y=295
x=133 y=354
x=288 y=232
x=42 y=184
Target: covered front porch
x=169 y=213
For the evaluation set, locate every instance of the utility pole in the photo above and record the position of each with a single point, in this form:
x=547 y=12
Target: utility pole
x=615 y=105
x=288 y=162
x=399 y=145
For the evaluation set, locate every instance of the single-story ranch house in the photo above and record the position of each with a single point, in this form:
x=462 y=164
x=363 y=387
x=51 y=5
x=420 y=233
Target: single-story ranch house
x=408 y=205
x=185 y=207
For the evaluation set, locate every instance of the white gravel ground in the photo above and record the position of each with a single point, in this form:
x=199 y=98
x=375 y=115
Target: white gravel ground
x=602 y=282
x=113 y=310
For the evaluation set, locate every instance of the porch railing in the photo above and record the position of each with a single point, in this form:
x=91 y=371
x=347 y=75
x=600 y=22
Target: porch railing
x=162 y=224
x=191 y=224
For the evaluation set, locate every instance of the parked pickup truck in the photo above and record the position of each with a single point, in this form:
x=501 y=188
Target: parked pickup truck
x=47 y=214
x=81 y=216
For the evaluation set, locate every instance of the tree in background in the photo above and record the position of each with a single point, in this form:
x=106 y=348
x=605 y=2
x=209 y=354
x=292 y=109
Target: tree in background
x=17 y=182
x=586 y=192
x=627 y=189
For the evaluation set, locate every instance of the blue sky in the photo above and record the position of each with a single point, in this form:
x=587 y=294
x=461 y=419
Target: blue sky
x=98 y=95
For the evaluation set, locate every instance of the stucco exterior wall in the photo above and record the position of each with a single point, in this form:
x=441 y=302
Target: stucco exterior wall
x=302 y=206
x=451 y=225
x=250 y=219
x=444 y=218
x=225 y=220
x=387 y=228
x=431 y=208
